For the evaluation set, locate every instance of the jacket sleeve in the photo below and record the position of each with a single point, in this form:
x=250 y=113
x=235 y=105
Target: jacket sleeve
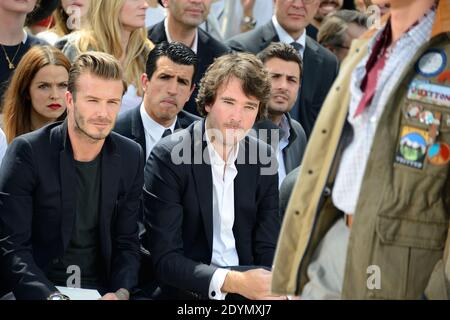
x=163 y=212
x=17 y=183
x=125 y=232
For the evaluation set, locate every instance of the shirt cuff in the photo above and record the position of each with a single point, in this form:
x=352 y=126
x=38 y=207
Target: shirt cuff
x=216 y=284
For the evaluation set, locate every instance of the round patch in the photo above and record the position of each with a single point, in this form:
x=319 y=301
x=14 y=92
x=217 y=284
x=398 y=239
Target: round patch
x=413 y=146
x=439 y=154
x=432 y=63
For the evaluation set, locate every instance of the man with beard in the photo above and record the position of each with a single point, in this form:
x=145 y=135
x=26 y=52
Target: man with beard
x=326 y=7
x=69 y=195
x=210 y=198
x=182 y=25
x=285 y=70
x=320 y=65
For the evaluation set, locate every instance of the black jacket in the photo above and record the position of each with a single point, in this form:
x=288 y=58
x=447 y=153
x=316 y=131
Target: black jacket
x=178 y=202
x=37 y=209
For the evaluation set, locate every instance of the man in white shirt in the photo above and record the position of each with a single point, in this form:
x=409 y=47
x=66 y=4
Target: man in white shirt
x=168 y=84
x=210 y=195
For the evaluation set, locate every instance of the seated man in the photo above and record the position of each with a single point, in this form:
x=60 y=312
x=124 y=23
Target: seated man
x=285 y=70
x=69 y=194
x=168 y=83
x=210 y=195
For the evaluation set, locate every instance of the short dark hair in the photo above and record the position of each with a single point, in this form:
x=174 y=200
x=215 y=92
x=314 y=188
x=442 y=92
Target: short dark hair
x=282 y=51
x=244 y=66
x=176 y=52
x=97 y=63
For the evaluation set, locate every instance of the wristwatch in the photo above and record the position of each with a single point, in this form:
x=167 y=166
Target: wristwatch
x=248 y=22
x=57 y=296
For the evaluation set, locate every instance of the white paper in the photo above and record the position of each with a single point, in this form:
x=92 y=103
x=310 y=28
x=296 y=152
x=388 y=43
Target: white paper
x=79 y=293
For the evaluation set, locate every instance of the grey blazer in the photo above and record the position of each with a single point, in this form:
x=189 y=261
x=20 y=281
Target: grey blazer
x=293 y=152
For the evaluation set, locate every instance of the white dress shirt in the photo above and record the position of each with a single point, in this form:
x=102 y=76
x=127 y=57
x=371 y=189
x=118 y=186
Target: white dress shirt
x=153 y=130
x=224 y=248
x=286 y=38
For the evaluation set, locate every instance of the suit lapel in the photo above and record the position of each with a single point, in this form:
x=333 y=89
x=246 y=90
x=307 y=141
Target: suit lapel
x=137 y=128
x=110 y=176
x=68 y=184
x=203 y=180
x=242 y=198
x=158 y=33
x=269 y=34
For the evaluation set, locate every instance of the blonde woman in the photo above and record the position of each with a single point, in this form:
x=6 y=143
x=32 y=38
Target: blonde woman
x=117 y=27
x=69 y=16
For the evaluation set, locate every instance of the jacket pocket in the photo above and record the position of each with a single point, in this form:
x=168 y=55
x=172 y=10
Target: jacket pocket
x=406 y=252
x=412 y=233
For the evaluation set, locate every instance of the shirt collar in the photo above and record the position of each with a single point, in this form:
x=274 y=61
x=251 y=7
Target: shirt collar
x=285 y=37
x=153 y=128
x=25 y=37
x=215 y=157
x=285 y=128
x=169 y=38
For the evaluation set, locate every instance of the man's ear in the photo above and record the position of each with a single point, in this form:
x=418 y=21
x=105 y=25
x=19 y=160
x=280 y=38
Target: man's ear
x=144 y=81
x=69 y=100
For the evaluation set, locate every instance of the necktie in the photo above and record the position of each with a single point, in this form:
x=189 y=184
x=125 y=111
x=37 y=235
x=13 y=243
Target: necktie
x=166 y=133
x=297 y=46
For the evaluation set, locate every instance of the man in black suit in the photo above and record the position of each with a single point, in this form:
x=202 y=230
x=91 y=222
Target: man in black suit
x=168 y=83
x=285 y=72
x=320 y=65
x=181 y=24
x=69 y=194
x=210 y=197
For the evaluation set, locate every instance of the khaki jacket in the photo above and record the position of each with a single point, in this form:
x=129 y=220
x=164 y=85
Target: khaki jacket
x=402 y=218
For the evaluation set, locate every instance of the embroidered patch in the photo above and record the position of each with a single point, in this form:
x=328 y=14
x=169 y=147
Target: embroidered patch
x=412 y=147
x=444 y=77
x=426 y=92
x=431 y=63
x=439 y=154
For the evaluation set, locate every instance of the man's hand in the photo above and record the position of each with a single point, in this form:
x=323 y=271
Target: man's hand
x=121 y=294
x=253 y=284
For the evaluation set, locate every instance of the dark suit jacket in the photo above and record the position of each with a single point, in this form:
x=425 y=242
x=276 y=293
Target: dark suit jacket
x=320 y=68
x=130 y=125
x=37 y=209
x=293 y=152
x=208 y=49
x=178 y=201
